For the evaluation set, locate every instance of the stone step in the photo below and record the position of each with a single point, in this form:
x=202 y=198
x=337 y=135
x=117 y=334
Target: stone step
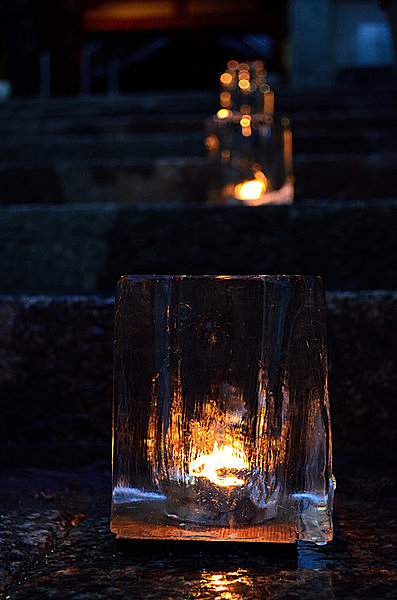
x=345 y=176
x=85 y=248
x=202 y=101
x=56 y=372
x=340 y=176
x=92 y=124
x=166 y=124
x=75 y=147
x=96 y=125
x=100 y=106
x=179 y=144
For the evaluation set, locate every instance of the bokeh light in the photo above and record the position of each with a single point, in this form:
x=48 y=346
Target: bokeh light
x=226 y=78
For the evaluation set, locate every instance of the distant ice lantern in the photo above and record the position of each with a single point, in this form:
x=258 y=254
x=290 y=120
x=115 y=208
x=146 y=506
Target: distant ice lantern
x=244 y=137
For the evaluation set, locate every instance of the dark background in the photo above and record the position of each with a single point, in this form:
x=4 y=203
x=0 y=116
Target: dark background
x=105 y=178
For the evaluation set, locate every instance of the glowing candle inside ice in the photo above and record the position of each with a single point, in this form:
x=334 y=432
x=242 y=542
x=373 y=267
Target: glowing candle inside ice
x=220 y=466
x=253 y=189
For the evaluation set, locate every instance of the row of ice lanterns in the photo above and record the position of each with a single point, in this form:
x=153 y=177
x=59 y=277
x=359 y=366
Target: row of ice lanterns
x=247 y=110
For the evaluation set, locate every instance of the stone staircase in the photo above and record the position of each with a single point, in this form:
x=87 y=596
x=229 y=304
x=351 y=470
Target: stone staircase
x=138 y=149
x=98 y=187
x=93 y=189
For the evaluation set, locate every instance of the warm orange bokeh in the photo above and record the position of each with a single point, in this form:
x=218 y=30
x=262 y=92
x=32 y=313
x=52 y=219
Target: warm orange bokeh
x=226 y=78
x=245 y=121
x=223 y=113
x=244 y=84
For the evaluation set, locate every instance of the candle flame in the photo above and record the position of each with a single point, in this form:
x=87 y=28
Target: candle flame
x=217 y=466
x=224 y=113
x=250 y=190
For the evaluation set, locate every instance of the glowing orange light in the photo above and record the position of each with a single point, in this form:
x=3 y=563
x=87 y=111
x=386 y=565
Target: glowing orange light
x=287 y=138
x=226 y=99
x=226 y=78
x=223 y=113
x=212 y=143
x=246 y=131
x=232 y=65
x=218 y=583
x=268 y=107
x=261 y=176
x=250 y=190
x=245 y=121
x=219 y=465
x=244 y=84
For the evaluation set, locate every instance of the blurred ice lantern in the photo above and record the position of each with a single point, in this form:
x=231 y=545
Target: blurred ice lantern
x=249 y=150
x=5 y=89
x=374 y=46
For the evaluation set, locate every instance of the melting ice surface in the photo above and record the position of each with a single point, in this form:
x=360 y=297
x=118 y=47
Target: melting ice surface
x=125 y=495
x=205 y=364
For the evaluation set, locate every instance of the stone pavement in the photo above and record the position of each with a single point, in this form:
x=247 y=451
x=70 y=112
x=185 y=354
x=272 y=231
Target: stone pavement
x=55 y=395
x=57 y=544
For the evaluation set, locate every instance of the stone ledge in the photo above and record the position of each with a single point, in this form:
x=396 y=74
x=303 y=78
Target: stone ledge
x=340 y=176
x=85 y=248
x=56 y=368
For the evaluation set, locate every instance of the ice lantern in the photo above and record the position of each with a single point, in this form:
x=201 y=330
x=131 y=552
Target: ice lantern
x=221 y=419
x=249 y=150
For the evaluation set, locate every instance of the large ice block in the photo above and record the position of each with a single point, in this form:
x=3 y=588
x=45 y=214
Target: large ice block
x=221 y=417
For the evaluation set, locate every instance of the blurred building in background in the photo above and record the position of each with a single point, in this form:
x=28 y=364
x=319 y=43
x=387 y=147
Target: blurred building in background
x=65 y=47
x=340 y=40
x=92 y=46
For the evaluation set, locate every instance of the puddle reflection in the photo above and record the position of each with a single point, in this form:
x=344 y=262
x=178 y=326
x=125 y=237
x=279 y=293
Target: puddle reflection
x=241 y=572
x=235 y=585
x=264 y=578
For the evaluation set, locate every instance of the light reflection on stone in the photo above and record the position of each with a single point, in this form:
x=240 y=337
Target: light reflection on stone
x=233 y=585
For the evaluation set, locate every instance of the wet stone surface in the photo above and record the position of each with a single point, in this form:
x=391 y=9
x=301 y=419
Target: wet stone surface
x=55 y=470
x=25 y=535
x=58 y=545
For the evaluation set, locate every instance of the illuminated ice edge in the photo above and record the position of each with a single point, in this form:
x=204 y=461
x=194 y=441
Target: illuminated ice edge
x=124 y=494
x=312 y=531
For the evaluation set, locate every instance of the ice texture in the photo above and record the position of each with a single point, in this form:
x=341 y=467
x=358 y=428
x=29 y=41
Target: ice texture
x=221 y=415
